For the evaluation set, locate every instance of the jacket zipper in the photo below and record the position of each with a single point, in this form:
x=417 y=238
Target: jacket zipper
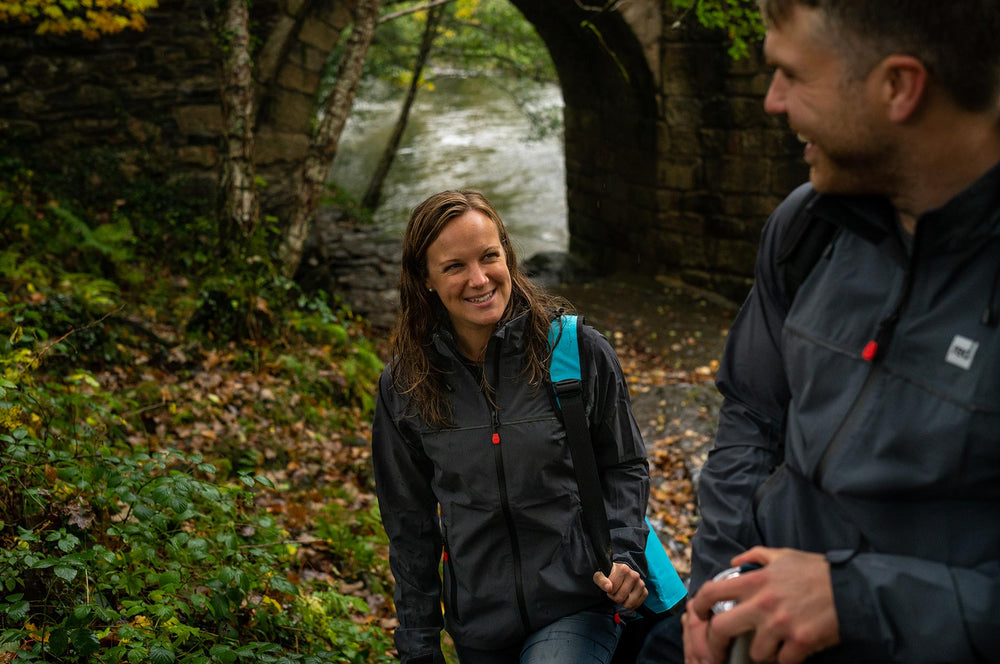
x=505 y=501
x=452 y=581
x=872 y=353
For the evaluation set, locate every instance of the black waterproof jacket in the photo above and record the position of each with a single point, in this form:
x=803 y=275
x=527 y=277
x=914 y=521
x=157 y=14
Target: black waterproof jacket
x=880 y=384
x=515 y=556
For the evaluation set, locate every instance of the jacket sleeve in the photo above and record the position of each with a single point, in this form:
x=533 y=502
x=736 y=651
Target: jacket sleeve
x=905 y=609
x=755 y=394
x=620 y=452
x=409 y=515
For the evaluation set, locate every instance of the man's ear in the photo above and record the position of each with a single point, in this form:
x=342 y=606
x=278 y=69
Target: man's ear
x=904 y=84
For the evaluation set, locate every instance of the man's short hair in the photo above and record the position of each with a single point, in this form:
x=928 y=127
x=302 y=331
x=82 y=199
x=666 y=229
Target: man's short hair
x=957 y=40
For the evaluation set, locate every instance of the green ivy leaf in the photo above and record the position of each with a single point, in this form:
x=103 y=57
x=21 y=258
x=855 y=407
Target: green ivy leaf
x=84 y=641
x=224 y=654
x=68 y=542
x=65 y=573
x=137 y=654
x=18 y=611
x=160 y=655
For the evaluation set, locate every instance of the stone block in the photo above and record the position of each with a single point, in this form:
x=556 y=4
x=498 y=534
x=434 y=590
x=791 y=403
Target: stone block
x=310 y=58
x=701 y=203
x=680 y=174
x=42 y=71
x=734 y=256
x=274 y=46
x=727 y=227
x=292 y=111
x=713 y=142
x=21 y=128
x=201 y=155
x=294 y=7
x=685 y=142
x=94 y=95
x=683 y=112
x=32 y=103
x=298 y=79
x=319 y=34
x=275 y=146
x=754 y=207
x=679 y=222
x=739 y=174
x=747 y=112
x=203 y=120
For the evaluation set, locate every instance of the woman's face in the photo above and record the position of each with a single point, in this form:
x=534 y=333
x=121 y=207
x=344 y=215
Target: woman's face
x=467 y=268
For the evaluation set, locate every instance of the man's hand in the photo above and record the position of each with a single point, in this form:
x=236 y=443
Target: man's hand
x=696 y=648
x=624 y=586
x=788 y=603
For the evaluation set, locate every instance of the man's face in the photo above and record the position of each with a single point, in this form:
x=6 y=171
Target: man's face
x=847 y=143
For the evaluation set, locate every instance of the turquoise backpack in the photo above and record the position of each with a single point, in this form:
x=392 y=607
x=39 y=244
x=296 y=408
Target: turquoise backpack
x=665 y=587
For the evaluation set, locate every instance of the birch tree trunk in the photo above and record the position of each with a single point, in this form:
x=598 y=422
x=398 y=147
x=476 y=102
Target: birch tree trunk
x=374 y=192
x=240 y=214
x=323 y=147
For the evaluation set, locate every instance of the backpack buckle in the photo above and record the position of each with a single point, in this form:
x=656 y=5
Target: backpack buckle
x=568 y=387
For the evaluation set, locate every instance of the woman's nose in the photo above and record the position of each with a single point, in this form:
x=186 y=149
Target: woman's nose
x=478 y=277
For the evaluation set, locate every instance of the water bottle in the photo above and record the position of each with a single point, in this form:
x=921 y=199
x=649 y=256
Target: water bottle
x=739 y=649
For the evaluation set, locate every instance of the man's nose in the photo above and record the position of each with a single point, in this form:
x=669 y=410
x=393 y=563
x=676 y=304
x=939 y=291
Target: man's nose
x=774 y=101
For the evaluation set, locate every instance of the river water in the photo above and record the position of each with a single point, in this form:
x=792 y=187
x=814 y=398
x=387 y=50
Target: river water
x=465 y=133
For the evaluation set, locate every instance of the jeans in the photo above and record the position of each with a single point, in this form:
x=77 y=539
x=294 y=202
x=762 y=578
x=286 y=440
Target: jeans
x=664 y=643
x=587 y=637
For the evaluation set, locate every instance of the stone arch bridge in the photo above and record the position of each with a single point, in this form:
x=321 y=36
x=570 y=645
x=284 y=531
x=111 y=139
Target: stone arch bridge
x=672 y=165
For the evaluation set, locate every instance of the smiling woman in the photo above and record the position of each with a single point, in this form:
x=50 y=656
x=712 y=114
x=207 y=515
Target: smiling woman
x=471 y=460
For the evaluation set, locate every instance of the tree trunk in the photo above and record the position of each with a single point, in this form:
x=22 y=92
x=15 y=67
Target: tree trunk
x=374 y=192
x=323 y=147
x=240 y=214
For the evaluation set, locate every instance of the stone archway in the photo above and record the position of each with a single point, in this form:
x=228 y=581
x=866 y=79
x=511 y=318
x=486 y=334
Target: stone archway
x=610 y=125
x=672 y=165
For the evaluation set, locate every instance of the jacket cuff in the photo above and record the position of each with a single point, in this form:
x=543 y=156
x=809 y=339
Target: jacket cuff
x=856 y=613
x=419 y=645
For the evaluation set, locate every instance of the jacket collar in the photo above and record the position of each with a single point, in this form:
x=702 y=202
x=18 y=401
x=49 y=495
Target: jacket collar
x=510 y=333
x=969 y=218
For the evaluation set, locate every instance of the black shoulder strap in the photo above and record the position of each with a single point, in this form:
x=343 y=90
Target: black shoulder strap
x=803 y=242
x=567 y=383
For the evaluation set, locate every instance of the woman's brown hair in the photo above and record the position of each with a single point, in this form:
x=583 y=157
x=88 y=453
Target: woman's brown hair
x=414 y=370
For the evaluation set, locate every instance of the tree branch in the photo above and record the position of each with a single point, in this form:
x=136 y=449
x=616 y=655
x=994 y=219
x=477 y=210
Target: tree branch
x=412 y=10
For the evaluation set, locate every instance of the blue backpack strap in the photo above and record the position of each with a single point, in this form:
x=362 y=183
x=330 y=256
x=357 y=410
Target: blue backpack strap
x=666 y=589
x=565 y=363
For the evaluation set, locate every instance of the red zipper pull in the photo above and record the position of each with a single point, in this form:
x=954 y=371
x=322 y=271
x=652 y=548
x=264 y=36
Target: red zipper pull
x=870 y=351
x=496 y=438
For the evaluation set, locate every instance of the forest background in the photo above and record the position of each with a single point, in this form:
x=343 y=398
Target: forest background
x=184 y=429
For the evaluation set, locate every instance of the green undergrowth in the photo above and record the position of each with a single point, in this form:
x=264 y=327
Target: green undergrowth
x=184 y=469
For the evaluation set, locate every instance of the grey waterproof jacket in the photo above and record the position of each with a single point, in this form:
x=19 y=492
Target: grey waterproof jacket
x=515 y=555
x=879 y=384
